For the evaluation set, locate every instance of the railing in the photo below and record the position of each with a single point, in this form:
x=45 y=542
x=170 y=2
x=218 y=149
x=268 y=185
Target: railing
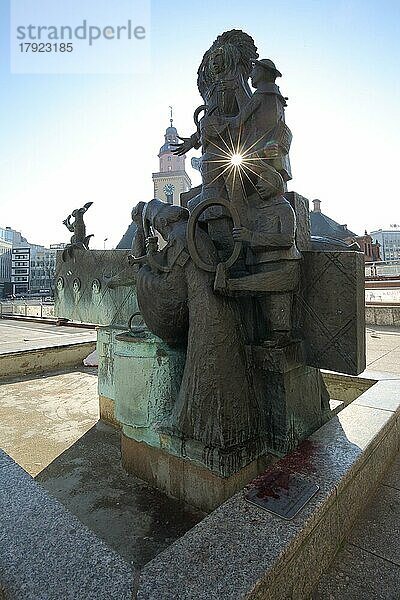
x=27 y=308
x=382 y=269
x=382 y=296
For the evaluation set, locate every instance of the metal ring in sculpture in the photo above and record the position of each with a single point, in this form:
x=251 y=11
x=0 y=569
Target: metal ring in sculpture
x=136 y=329
x=191 y=234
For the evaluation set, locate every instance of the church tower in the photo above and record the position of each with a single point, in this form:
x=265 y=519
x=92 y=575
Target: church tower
x=171 y=180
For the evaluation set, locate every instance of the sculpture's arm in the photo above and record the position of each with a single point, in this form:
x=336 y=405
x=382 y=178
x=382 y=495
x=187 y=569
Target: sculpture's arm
x=138 y=260
x=259 y=240
x=283 y=238
x=187 y=144
x=138 y=243
x=67 y=223
x=262 y=238
x=245 y=113
x=277 y=140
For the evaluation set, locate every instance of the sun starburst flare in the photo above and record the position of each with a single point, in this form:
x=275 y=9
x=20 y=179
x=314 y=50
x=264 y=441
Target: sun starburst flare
x=236 y=159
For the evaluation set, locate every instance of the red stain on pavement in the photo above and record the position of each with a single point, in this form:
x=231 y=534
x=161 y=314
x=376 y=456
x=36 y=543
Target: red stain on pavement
x=276 y=478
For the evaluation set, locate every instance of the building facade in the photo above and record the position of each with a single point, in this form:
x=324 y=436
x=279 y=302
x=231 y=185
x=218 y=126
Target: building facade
x=5 y=260
x=14 y=262
x=370 y=248
x=25 y=268
x=42 y=271
x=5 y=268
x=20 y=270
x=389 y=241
x=171 y=180
x=13 y=236
x=324 y=226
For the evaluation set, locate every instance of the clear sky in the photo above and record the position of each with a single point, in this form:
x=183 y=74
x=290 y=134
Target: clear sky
x=69 y=139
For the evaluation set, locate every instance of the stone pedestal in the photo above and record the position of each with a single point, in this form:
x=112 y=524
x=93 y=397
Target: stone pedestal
x=147 y=376
x=293 y=396
x=185 y=478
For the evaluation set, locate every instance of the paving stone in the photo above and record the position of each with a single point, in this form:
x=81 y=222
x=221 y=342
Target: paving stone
x=381 y=375
x=384 y=395
x=336 y=406
x=386 y=363
x=360 y=425
x=42 y=415
x=238 y=538
x=227 y=553
x=49 y=425
x=133 y=519
x=392 y=478
x=378 y=530
x=353 y=497
x=17 y=336
x=359 y=575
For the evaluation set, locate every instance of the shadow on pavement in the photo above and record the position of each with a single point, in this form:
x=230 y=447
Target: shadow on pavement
x=132 y=518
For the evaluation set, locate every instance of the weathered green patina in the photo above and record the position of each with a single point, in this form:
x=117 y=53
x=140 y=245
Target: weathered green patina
x=147 y=378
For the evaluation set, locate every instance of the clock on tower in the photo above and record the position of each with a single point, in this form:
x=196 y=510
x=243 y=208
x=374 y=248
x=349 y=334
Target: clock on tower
x=169 y=192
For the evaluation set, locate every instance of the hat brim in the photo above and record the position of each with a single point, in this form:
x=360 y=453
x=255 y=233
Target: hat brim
x=268 y=68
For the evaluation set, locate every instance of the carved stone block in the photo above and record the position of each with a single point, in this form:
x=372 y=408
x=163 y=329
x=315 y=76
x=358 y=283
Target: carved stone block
x=81 y=292
x=331 y=311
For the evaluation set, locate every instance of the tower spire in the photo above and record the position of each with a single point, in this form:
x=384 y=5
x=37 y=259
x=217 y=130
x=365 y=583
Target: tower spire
x=171 y=180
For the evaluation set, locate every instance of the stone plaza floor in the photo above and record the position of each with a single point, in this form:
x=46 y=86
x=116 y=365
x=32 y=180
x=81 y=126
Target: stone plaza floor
x=49 y=425
x=383 y=350
x=17 y=335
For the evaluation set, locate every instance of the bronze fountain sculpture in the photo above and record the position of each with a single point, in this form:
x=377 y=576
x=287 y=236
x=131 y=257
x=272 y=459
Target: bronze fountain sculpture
x=79 y=239
x=233 y=284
